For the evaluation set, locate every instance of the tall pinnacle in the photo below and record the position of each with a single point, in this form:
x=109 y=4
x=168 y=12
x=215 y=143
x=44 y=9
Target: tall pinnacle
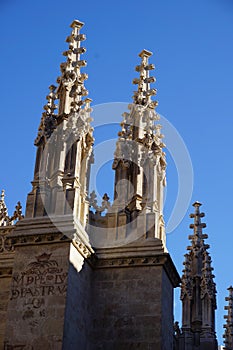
x=198 y=237
x=228 y=335
x=142 y=127
x=198 y=290
x=139 y=159
x=143 y=94
x=70 y=91
x=71 y=82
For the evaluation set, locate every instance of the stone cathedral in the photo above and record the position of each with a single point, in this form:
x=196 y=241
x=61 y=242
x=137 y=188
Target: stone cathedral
x=78 y=275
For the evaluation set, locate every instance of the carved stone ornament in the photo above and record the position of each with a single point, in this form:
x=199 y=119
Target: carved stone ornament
x=49 y=118
x=79 y=124
x=105 y=205
x=5 y=219
x=186 y=280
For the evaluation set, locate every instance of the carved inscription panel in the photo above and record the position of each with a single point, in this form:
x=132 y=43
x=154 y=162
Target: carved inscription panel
x=37 y=296
x=43 y=277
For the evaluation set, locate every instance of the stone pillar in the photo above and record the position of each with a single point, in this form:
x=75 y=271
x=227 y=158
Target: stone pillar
x=47 y=274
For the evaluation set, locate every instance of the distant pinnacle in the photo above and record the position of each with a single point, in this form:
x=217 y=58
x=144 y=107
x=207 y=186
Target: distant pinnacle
x=143 y=94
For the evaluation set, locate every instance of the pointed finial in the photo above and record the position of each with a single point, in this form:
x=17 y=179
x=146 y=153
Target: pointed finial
x=71 y=82
x=143 y=95
x=18 y=215
x=197 y=216
x=198 y=237
x=2 y=195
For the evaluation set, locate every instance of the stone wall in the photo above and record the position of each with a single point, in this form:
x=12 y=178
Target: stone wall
x=128 y=309
x=167 y=302
x=118 y=298
x=36 y=307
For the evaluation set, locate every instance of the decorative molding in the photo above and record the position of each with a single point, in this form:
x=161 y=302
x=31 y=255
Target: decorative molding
x=85 y=251
x=39 y=239
x=132 y=260
x=6 y=245
x=105 y=205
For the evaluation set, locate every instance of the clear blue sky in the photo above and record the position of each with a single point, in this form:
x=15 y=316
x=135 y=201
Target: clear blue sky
x=192 y=43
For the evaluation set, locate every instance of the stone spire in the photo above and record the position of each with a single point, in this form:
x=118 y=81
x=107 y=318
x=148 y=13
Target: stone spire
x=228 y=334
x=71 y=88
x=61 y=176
x=70 y=91
x=198 y=291
x=139 y=160
x=143 y=94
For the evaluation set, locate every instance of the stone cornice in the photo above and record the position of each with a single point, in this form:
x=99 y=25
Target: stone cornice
x=43 y=230
x=47 y=238
x=43 y=224
x=137 y=254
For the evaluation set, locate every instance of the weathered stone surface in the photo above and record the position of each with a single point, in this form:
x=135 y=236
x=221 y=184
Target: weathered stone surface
x=5 y=282
x=6 y=265
x=79 y=305
x=37 y=297
x=132 y=304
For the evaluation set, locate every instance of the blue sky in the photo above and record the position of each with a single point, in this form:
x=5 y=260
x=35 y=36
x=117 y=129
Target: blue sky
x=193 y=54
